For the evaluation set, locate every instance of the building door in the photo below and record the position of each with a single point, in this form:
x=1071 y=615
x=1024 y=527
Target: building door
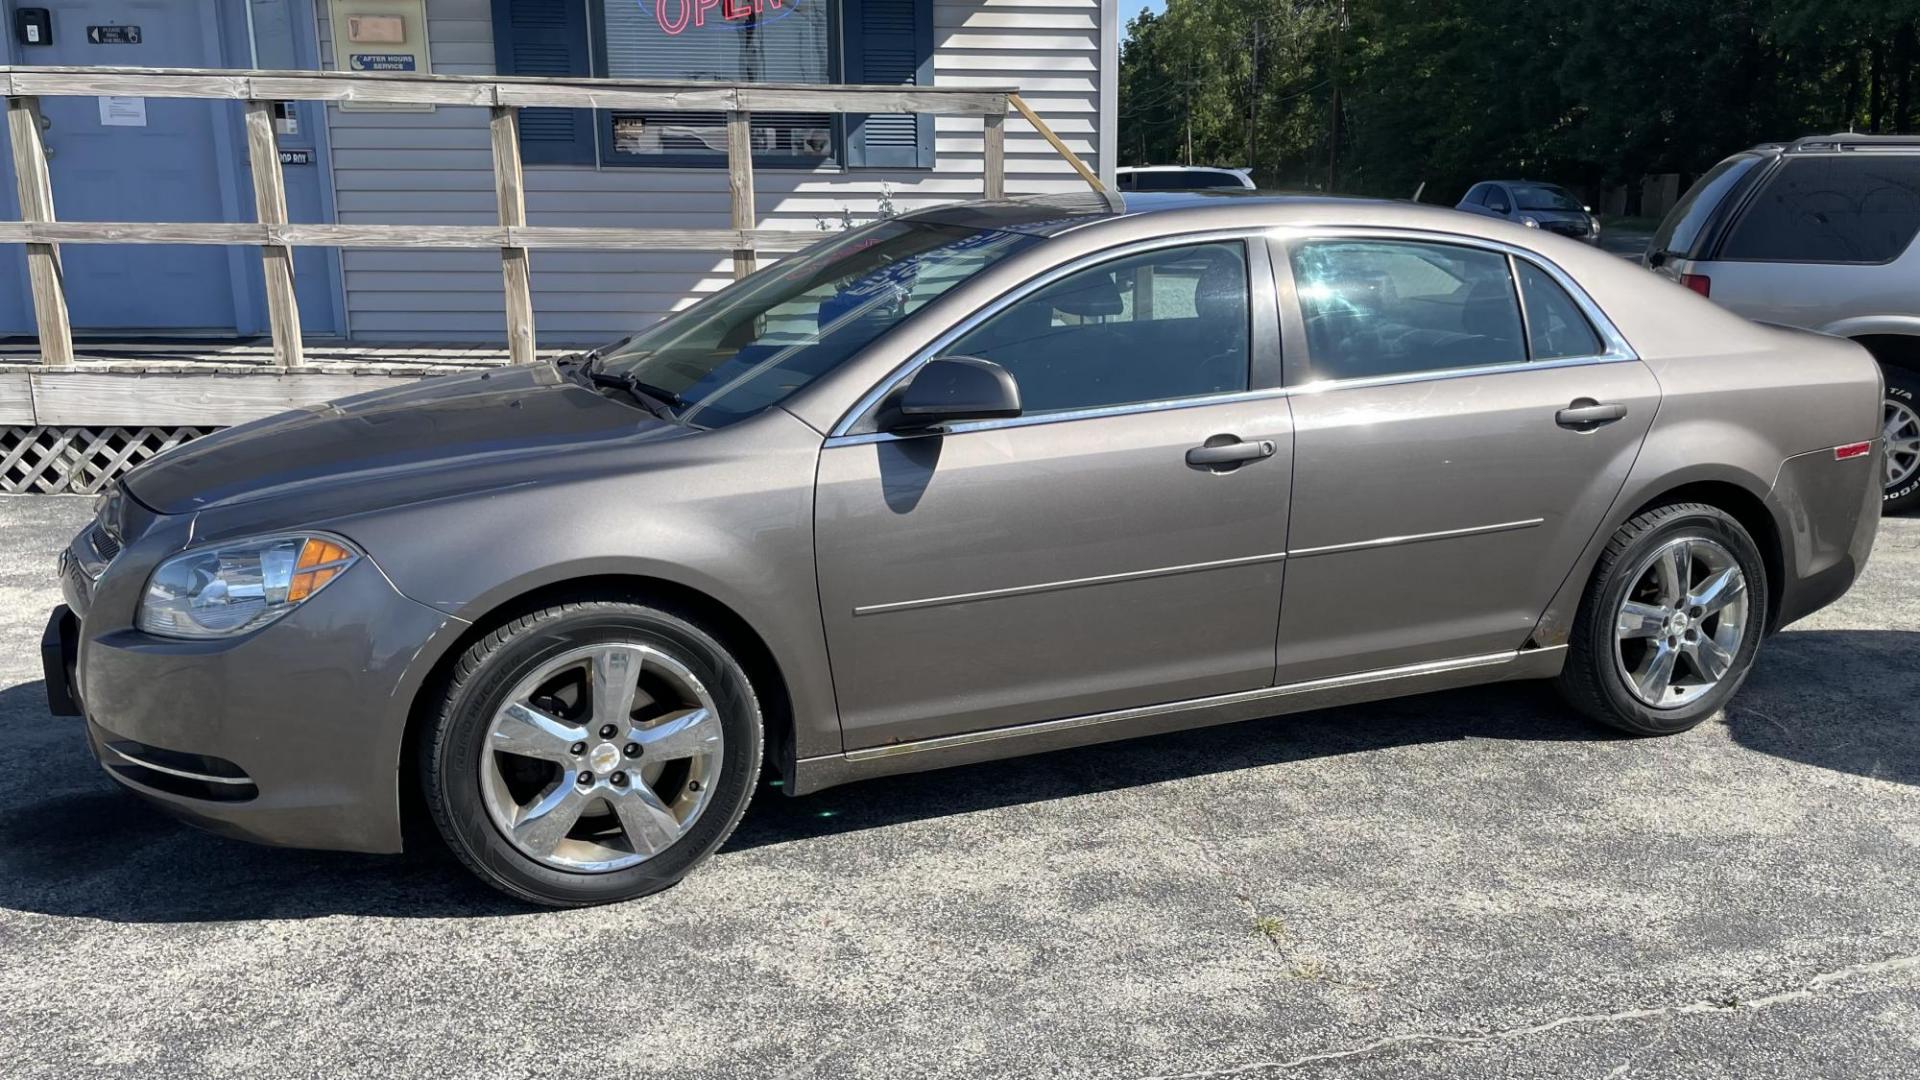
x=139 y=159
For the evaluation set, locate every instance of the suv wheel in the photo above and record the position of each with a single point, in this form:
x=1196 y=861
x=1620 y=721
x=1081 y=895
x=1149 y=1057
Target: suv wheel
x=1901 y=434
x=1670 y=623
x=592 y=752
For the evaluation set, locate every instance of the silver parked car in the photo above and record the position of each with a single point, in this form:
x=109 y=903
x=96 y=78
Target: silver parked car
x=1817 y=233
x=977 y=482
x=1536 y=205
x=1181 y=178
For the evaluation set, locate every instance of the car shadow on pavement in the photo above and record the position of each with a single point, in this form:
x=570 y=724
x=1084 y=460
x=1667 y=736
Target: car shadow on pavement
x=1846 y=700
x=73 y=844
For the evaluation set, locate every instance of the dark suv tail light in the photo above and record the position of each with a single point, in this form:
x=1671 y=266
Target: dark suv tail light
x=1699 y=283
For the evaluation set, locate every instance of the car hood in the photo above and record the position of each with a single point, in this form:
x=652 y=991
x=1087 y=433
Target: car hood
x=1544 y=216
x=441 y=436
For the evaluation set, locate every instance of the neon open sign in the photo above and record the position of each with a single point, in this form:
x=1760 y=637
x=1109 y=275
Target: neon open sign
x=675 y=16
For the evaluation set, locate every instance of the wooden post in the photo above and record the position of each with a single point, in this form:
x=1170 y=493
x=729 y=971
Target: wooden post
x=36 y=205
x=509 y=185
x=740 y=180
x=996 y=163
x=270 y=209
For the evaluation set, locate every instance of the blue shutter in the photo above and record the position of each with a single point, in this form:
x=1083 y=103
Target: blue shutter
x=546 y=37
x=889 y=42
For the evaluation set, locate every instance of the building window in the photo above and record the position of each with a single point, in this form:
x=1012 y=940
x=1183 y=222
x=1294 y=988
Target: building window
x=772 y=41
x=888 y=42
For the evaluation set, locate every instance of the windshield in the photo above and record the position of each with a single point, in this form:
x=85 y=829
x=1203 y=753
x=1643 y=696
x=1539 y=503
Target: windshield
x=755 y=343
x=1543 y=197
x=1681 y=228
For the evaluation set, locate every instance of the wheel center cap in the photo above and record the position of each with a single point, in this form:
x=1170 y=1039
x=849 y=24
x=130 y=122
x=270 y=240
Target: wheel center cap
x=604 y=758
x=1680 y=620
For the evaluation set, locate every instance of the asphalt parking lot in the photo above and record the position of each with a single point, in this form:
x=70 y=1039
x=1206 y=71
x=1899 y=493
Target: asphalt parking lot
x=1474 y=884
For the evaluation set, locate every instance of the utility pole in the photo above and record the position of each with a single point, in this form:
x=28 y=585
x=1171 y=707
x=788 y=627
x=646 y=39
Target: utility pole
x=1333 y=121
x=1253 y=104
x=1188 y=95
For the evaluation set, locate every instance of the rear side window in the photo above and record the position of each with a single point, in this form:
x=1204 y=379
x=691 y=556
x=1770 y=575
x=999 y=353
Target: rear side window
x=1392 y=307
x=1680 y=229
x=1556 y=327
x=1839 y=208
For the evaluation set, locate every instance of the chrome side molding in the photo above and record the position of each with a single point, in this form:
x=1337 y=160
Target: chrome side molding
x=815 y=773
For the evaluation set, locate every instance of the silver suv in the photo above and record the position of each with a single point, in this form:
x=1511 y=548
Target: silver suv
x=1817 y=233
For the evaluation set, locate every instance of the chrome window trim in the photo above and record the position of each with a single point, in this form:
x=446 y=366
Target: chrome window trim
x=1616 y=347
x=881 y=389
x=1068 y=415
x=1617 y=350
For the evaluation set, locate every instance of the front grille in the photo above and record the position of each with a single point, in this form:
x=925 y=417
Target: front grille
x=104 y=545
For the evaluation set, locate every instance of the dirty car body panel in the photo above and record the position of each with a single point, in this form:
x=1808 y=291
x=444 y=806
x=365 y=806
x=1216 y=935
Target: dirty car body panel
x=1266 y=536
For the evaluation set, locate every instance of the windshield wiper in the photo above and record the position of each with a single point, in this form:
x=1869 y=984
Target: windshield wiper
x=657 y=400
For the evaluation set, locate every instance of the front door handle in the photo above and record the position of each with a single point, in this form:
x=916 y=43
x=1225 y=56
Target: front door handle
x=1228 y=450
x=1585 y=414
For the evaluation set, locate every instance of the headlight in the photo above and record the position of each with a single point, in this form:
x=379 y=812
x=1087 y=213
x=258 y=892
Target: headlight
x=234 y=588
x=1530 y=221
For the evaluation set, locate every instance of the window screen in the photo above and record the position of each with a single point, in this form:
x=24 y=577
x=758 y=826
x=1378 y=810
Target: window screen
x=1839 y=208
x=728 y=41
x=1556 y=327
x=1390 y=307
x=1167 y=324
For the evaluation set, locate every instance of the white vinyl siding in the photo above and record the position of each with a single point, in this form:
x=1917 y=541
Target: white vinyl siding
x=435 y=168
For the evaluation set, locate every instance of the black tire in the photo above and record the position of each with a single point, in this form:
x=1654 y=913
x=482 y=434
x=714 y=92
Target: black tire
x=1592 y=682
x=451 y=753
x=1903 y=389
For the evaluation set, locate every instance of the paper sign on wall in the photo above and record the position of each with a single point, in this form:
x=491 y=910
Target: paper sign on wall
x=123 y=112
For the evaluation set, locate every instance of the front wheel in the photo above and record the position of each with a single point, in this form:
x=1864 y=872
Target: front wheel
x=592 y=752
x=1670 y=623
x=1900 y=431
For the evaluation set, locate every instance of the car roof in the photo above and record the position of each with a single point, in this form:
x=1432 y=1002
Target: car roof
x=1213 y=208
x=1179 y=168
x=1840 y=142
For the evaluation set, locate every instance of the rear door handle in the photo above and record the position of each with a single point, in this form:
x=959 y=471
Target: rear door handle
x=1585 y=414
x=1217 y=452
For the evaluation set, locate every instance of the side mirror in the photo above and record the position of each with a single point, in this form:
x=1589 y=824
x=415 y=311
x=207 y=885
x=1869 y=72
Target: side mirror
x=948 y=389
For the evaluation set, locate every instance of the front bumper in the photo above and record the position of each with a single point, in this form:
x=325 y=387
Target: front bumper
x=291 y=735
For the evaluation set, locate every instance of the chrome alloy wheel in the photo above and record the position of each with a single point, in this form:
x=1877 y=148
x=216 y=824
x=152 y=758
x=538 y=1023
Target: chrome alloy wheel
x=602 y=758
x=1682 y=623
x=1901 y=431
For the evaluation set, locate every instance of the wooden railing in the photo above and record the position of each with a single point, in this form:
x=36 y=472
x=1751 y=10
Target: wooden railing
x=43 y=233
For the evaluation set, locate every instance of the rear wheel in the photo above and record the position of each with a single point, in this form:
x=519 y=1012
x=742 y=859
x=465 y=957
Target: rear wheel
x=1900 y=431
x=1670 y=623
x=592 y=752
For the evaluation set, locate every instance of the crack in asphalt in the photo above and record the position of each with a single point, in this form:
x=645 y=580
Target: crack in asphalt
x=1806 y=990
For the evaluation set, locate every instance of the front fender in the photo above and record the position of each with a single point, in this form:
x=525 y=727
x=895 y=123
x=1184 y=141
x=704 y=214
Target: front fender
x=728 y=514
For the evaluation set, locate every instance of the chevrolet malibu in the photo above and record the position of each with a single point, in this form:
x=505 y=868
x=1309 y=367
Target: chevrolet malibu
x=975 y=482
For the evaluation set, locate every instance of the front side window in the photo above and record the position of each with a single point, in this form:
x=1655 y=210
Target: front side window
x=1166 y=324
x=1394 y=307
x=1497 y=200
x=754 y=344
x=1832 y=208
